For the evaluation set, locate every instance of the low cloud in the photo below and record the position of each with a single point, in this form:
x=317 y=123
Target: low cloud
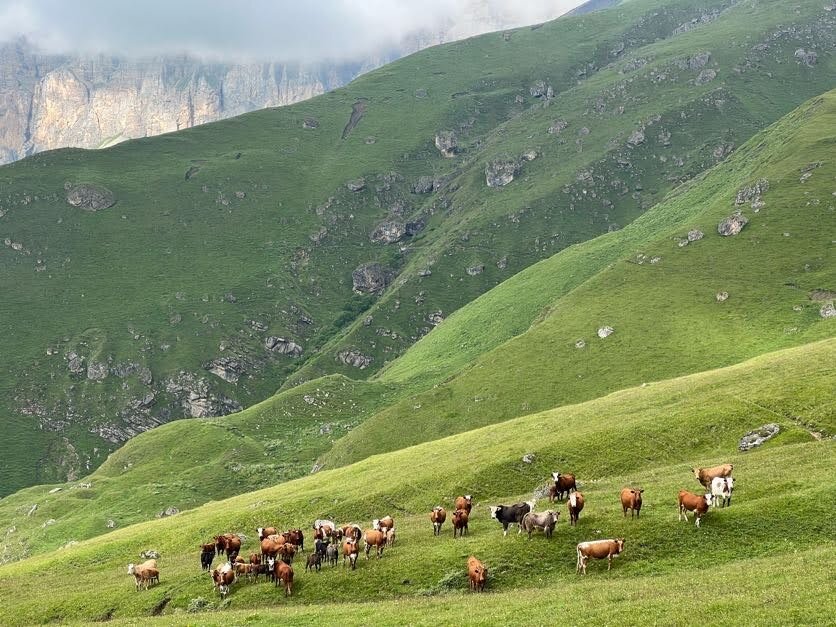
x=280 y=30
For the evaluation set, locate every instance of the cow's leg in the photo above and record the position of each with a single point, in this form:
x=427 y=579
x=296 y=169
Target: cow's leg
x=698 y=519
x=504 y=529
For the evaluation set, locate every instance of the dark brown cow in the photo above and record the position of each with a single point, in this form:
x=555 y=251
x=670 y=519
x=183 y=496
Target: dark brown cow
x=705 y=475
x=460 y=518
x=228 y=543
x=437 y=518
x=464 y=502
x=207 y=554
x=690 y=502
x=295 y=536
x=599 y=549
x=287 y=551
x=477 y=573
x=575 y=506
x=631 y=498
x=563 y=485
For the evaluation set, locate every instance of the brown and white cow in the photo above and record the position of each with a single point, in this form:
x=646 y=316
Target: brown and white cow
x=464 y=502
x=350 y=531
x=272 y=545
x=460 y=518
x=224 y=577
x=437 y=518
x=477 y=574
x=575 y=506
x=296 y=537
x=383 y=524
x=690 y=502
x=563 y=485
x=721 y=491
x=599 y=549
x=631 y=498
x=350 y=551
x=705 y=475
x=287 y=551
x=263 y=532
x=374 y=538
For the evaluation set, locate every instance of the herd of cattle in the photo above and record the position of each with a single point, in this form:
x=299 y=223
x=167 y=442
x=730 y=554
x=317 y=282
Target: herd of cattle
x=278 y=549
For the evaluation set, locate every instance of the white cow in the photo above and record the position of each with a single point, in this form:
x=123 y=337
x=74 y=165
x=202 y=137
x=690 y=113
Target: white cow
x=721 y=490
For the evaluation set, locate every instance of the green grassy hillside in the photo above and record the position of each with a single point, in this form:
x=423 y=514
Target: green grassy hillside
x=226 y=235
x=648 y=435
x=660 y=298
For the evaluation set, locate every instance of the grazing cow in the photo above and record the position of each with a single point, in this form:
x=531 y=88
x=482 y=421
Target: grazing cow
x=314 y=561
x=264 y=532
x=705 y=475
x=144 y=573
x=464 y=502
x=331 y=554
x=284 y=572
x=295 y=536
x=207 y=554
x=228 y=543
x=721 y=490
x=224 y=577
x=383 y=524
x=599 y=549
x=563 y=485
x=690 y=502
x=477 y=573
x=350 y=551
x=437 y=518
x=390 y=537
x=544 y=521
x=510 y=514
x=575 y=507
x=374 y=538
x=287 y=551
x=460 y=518
x=631 y=499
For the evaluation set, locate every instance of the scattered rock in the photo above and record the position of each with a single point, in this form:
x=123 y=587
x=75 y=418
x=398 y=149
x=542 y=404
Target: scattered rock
x=807 y=57
x=32 y=510
x=421 y=93
x=371 y=278
x=282 y=346
x=828 y=310
x=150 y=554
x=557 y=126
x=636 y=137
x=91 y=197
x=425 y=272
x=695 y=235
x=230 y=297
x=415 y=227
x=732 y=225
x=529 y=155
x=474 y=270
x=371 y=139
x=528 y=458
x=435 y=318
x=752 y=193
x=581 y=343
x=240 y=195
x=75 y=363
x=110 y=524
x=502 y=263
x=706 y=76
x=758 y=436
x=605 y=332
x=721 y=297
x=541 y=90
x=168 y=511
x=388 y=232
x=447 y=143
x=356 y=185
x=424 y=185
x=310 y=123
x=354 y=358
x=227 y=368
x=500 y=172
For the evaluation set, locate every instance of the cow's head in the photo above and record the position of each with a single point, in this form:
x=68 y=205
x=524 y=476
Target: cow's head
x=495 y=509
x=696 y=472
x=468 y=498
x=376 y=524
x=555 y=476
x=707 y=498
x=131 y=569
x=620 y=544
x=260 y=531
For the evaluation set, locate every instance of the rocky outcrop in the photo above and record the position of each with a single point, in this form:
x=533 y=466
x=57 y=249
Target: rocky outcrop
x=475 y=270
x=807 y=57
x=96 y=371
x=752 y=194
x=732 y=225
x=371 y=278
x=227 y=368
x=828 y=310
x=357 y=185
x=282 y=346
x=557 y=126
x=90 y=197
x=424 y=185
x=758 y=436
x=447 y=143
x=354 y=358
x=502 y=171
x=388 y=232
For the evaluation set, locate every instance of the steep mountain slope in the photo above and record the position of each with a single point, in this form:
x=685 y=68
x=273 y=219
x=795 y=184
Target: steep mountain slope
x=677 y=296
x=648 y=435
x=234 y=247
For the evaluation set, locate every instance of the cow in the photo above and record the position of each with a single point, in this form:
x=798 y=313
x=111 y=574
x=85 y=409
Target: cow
x=282 y=571
x=690 y=502
x=437 y=518
x=460 y=518
x=544 y=520
x=255 y=558
x=350 y=551
x=721 y=491
x=575 y=506
x=705 y=475
x=374 y=538
x=207 y=554
x=599 y=549
x=144 y=573
x=271 y=545
x=295 y=536
x=242 y=568
x=631 y=498
x=314 y=561
x=228 y=543
x=477 y=574
x=224 y=577
x=324 y=529
x=390 y=537
x=287 y=551
x=563 y=485
x=320 y=547
x=350 y=531
x=510 y=514
x=264 y=532
x=464 y=502
x=332 y=554
x=383 y=524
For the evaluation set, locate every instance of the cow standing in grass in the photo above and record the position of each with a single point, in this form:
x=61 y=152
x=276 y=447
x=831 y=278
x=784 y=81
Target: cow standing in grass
x=599 y=549
x=690 y=502
x=437 y=518
x=631 y=498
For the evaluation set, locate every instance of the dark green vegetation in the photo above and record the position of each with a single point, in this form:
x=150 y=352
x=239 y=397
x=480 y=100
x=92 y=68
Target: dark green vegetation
x=227 y=235
x=781 y=512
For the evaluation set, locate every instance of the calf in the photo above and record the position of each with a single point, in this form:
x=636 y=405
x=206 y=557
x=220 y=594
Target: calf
x=599 y=549
x=575 y=507
x=224 y=577
x=207 y=554
x=477 y=573
x=350 y=551
x=284 y=572
x=563 y=485
x=320 y=547
x=314 y=561
x=144 y=574
x=697 y=503
x=705 y=475
x=631 y=499
x=437 y=518
x=390 y=537
x=510 y=514
x=545 y=521
x=464 y=502
x=384 y=524
x=295 y=536
x=460 y=518
x=375 y=538
x=721 y=490
x=332 y=554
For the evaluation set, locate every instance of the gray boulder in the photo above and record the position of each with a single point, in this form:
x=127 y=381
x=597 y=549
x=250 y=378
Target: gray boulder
x=357 y=185
x=500 y=172
x=227 y=368
x=807 y=57
x=424 y=185
x=605 y=332
x=732 y=225
x=310 y=123
x=354 y=358
x=557 y=126
x=75 y=363
x=447 y=143
x=721 y=297
x=477 y=269
x=751 y=193
x=828 y=310
x=388 y=232
x=758 y=436
x=371 y=278
x=150 y=554
x=96 y=371
x=282 y=346
x=91 y=197
x=705 y=76
x=636 y=137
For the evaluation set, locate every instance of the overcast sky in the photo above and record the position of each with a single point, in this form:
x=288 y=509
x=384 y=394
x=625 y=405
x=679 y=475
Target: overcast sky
x=311 y=30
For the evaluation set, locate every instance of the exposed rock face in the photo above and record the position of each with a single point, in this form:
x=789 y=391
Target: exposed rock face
x=96 y=371
x=282 y=346
x=706 y=76
x=388 y=232
x=168 y=511
x=477 y=269
x=371 y=278
x=424 y=185
x=541 y=90
x=758 y=436
x=732 y=225
x=227 y=368
x=636 y=138
x=91 y=197
x=310 y=123
x=354 y=358
x=500 y=172
x=557 y=126
x=807 y=57
x=75 y=363
x=357 y=185
x=752 y=193
x=447 y=143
